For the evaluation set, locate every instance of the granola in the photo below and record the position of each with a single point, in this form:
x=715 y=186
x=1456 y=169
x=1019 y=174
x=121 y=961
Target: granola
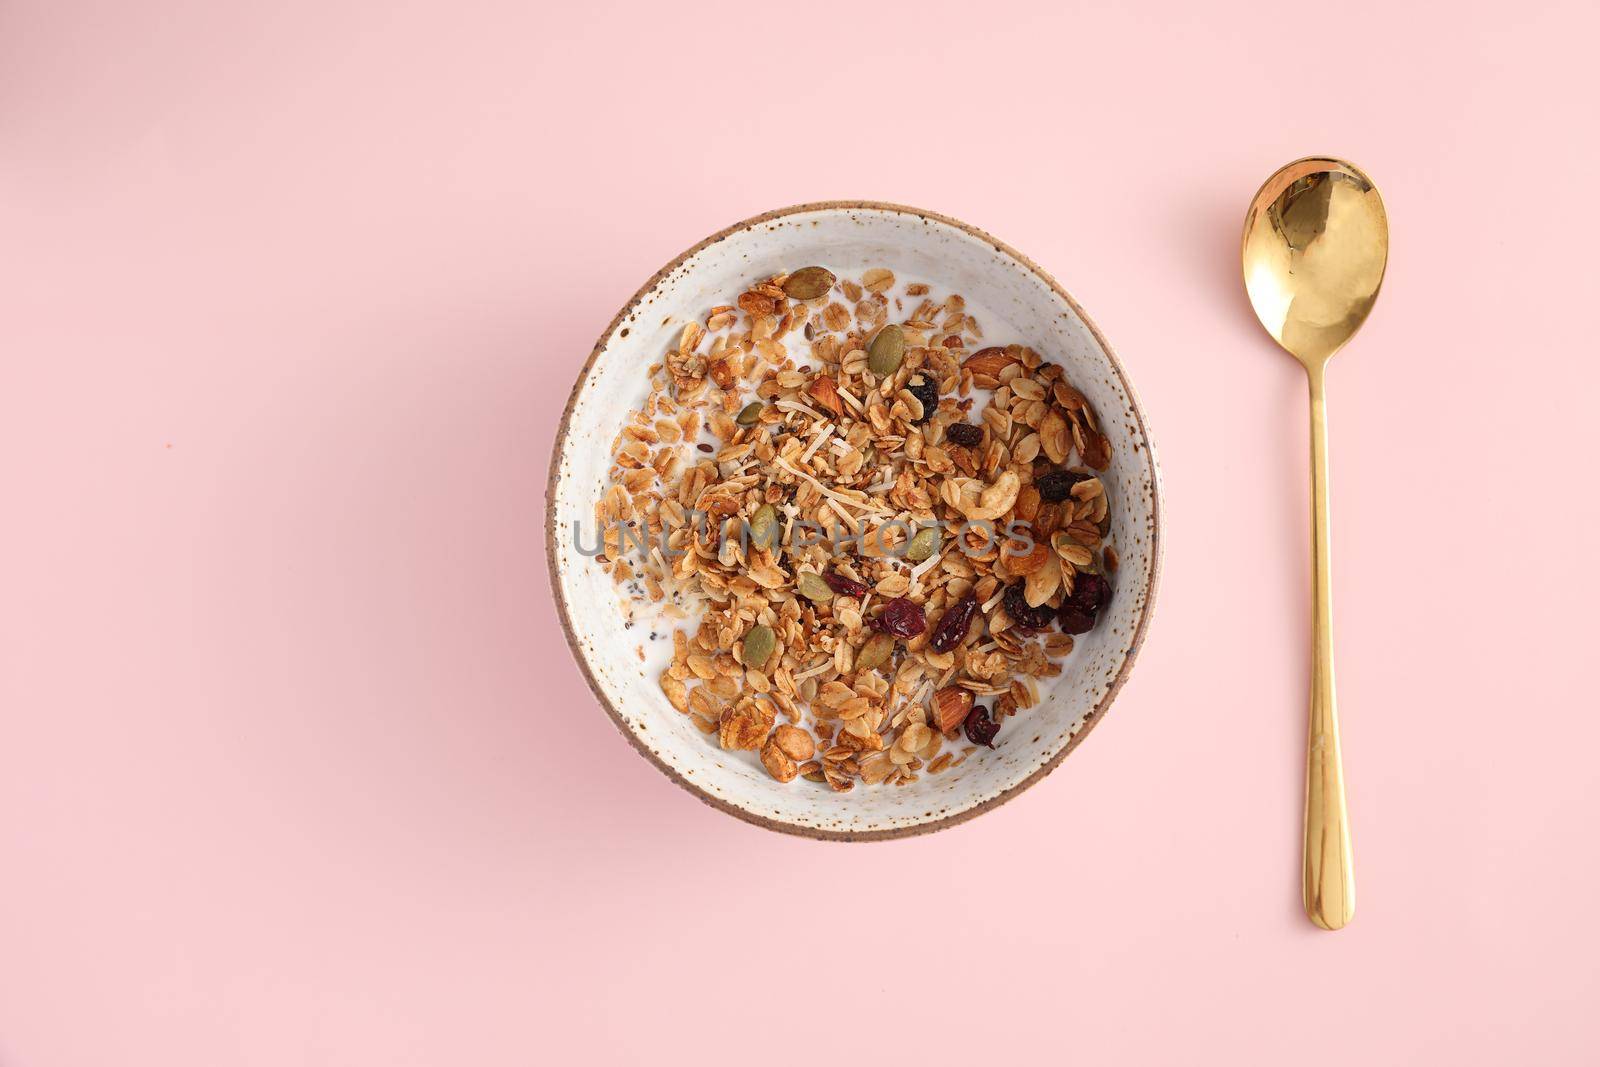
x=873 y=534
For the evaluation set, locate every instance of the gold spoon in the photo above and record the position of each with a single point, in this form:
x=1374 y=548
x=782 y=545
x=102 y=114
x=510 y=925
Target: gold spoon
x=1316 y=240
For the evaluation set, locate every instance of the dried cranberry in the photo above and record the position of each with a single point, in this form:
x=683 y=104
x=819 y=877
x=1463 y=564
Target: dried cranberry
x=980 y=728
x=1057 y=485
x=953 y=624
x=1080 y=611
x=1090 y=592
x=1075 y=620
x=902 y=618
x=964 y=434
x=844 y=586
x=1029 y=618
x=926 y=390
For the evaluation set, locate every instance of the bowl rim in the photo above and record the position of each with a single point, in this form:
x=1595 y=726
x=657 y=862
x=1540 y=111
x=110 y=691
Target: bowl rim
x=1090 y=720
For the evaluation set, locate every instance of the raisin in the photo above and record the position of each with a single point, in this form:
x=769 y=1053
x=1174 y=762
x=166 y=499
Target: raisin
x=980 y=728
x=926 y=390
x=965 y=434
x=1057 y=485
x=1029 y=618
x=953 y=624
x=902 y=618
x=845 y=586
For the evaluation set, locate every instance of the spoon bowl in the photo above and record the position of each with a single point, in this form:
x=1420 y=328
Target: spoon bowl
x=1316 y=242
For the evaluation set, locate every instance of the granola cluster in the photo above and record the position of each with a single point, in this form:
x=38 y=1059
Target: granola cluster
x=961 y=526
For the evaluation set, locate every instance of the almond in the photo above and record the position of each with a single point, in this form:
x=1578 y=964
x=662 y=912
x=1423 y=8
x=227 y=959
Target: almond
x=950 y=708
x=826 y=395
x=988 y=362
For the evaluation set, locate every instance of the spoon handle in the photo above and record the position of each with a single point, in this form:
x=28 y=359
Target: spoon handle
x=1330 y=889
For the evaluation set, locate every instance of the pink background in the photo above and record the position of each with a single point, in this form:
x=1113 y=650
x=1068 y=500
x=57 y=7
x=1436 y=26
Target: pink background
x=295 y=767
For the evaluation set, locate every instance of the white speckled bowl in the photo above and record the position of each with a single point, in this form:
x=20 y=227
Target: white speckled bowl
x=851 y=236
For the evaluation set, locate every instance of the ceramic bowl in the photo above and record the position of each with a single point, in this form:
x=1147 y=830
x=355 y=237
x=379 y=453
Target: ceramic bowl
x=849 y=237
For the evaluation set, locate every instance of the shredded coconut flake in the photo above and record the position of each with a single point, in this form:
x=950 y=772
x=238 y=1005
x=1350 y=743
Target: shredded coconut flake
x=831 y=494
x=795 y=405
x=827 y=432
x=928 y=564
x=812 y=672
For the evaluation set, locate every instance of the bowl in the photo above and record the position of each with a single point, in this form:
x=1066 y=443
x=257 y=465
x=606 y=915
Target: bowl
x=849 y=237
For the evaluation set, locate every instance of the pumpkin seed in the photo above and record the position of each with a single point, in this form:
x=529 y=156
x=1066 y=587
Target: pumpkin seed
x=812 y=587
x=875 y=653
x=758 y=645
x=808 y=283
x=923 y=545
x=750 y=414
x=886 y=351
x=764 y=526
